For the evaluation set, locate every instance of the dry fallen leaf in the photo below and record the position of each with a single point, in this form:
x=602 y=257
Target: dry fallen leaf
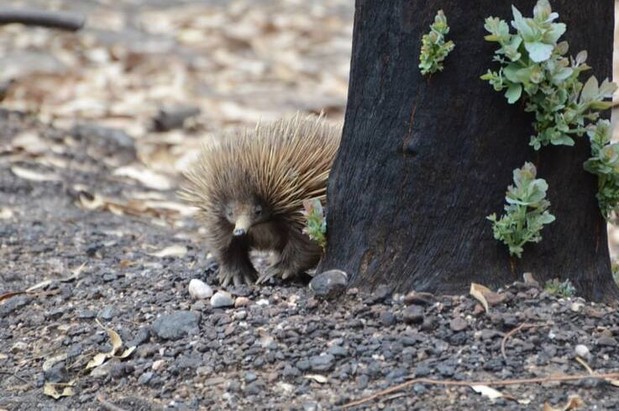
x=30 y=142
x=127 y=352
x=321 y=379
x=32 y=175
x=97 y=360
x=145 y=176
x=51 y=390
x=477 y=291
x=487 y=391
x=117 y=344
x=171 y=251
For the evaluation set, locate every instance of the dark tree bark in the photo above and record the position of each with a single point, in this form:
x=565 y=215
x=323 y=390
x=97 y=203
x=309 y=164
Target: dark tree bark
x=423 y=161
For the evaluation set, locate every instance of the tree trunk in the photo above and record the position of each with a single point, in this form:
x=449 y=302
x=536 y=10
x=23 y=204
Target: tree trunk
x=423 y=161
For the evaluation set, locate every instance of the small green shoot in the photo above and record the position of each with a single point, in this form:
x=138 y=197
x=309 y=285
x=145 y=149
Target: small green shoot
x=604 y=163
x=526 y=211
x=561 y=289
x=315 y=221
x=434 y=48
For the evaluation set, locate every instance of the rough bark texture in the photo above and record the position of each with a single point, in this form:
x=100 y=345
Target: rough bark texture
x=424 y=161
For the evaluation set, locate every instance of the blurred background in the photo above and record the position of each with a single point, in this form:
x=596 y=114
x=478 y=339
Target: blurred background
x=169 y=72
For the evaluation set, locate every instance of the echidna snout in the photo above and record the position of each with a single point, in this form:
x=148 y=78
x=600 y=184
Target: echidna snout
x=244 y=215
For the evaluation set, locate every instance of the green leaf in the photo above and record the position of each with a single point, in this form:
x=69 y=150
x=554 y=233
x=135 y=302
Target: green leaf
x=539 y=51
x=590 y=90
x=556 y=31
x=546 y=218
x=542 y=10
x=581 y=57
x=562 y=140
x=513 y=93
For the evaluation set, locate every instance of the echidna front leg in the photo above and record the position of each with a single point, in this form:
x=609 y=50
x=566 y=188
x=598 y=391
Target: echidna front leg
x=235 y=267
x=299 y=254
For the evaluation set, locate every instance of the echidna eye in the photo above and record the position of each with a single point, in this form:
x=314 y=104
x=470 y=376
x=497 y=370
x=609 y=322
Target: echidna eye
x=258 y=210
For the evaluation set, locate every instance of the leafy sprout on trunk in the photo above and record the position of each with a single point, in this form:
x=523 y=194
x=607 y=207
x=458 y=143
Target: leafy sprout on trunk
x=434 y=48
x=526 y=211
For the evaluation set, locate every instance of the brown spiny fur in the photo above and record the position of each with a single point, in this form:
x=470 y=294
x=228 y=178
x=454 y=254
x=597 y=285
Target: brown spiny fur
x=250 y=188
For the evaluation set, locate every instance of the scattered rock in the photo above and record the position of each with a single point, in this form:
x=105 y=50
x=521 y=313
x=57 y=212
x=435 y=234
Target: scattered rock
x=387 y=318
x=176 y=325
x=13 y=304
x=222 y=299
x=582 y=351
x=607 y=340
x=458 y=324
x=321 y=363
x=381 y=294
x=413 y=314
x=419 y=298
x=107 y=313
x=241 y=302
x=329 y=284
x=199 y=290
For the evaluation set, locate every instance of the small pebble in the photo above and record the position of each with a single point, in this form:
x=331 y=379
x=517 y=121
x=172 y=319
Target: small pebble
x=607 y=341
x=329 y=284
x=413 y=314
x=222 y=299
x=322 y=362
x=458 y=324
x=582 y=351
x=577 y=306
x=176 y=325
x=241 y=302
x=158 y=364
x=199 y=290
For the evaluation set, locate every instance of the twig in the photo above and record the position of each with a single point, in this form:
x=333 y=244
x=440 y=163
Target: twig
x=50 y=19
x=514 y=331
x=559 y=378
x=106 y=405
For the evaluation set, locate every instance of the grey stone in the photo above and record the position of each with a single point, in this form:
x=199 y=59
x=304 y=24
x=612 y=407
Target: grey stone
x=222 y=299
x=107 y=313
x=413 y=314
x=176 y=325
x=145 y=378
x=322 y=362
x=458 y=324
x=329 y=284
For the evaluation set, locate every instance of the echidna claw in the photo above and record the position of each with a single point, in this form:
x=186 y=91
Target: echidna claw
x=271 y=272
x=228 y=277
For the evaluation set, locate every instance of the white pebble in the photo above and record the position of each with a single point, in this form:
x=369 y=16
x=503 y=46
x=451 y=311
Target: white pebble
x=199 y=289
x=222 y=299
x=158 y=364
x=577 y=306
x=582 y=351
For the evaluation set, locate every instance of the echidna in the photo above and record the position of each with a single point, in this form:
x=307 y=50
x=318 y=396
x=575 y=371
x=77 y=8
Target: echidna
x=250 y=188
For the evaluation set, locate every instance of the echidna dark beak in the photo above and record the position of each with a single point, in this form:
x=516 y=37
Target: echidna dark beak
x=239 y=232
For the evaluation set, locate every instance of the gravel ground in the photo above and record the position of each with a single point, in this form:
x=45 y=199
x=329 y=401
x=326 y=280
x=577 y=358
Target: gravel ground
x=276 y=347
x=109 y=257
